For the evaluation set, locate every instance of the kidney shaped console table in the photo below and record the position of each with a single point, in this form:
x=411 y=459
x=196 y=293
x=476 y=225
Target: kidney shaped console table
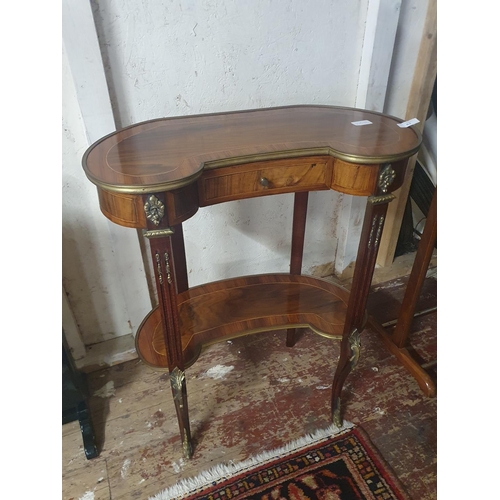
x=157 y=174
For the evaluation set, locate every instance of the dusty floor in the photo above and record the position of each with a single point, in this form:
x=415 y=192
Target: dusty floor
x=253 y=394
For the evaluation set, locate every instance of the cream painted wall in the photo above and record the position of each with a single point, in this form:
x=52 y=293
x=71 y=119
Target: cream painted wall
x=168 y=58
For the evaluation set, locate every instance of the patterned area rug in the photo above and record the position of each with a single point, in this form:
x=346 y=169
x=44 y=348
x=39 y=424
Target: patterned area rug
x=333 y=464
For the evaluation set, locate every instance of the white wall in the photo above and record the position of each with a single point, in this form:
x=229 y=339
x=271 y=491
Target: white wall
x=88 y=271
x=168 y=58
x=92 y=274
x=207 y=56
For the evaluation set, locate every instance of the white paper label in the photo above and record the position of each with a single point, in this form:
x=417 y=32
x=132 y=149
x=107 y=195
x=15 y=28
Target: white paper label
x=408 y=123
x=361 y=123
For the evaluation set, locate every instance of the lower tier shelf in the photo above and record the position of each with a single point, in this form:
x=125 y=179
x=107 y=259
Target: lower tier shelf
x=230 y=308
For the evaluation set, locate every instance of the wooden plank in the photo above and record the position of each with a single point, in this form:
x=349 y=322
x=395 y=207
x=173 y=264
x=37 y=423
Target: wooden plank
x=382 y=20
x=418 y=104
x=378 y=45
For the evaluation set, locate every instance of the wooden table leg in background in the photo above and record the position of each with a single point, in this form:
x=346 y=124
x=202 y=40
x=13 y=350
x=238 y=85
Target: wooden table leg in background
x=298 y=233
x=398 y=342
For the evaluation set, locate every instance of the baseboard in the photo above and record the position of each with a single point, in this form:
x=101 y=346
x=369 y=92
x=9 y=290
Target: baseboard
x=400 y=267
x=109 y=353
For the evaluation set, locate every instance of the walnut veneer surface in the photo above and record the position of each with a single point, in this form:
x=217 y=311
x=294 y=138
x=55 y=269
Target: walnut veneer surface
x=164 y=154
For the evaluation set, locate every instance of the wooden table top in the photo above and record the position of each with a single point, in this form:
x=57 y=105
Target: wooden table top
x=168 y=153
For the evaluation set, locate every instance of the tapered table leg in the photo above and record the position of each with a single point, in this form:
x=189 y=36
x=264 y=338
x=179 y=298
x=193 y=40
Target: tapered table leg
x=373 y=225
x=298 y=233
x=165 y=273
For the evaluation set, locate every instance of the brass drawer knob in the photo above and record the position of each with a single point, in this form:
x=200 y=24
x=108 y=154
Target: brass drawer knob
x=264 y=182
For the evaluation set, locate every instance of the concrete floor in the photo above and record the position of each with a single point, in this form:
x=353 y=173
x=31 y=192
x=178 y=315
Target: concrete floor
x=249 y=395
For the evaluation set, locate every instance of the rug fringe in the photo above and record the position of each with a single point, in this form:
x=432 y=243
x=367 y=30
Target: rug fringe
x=223 y=471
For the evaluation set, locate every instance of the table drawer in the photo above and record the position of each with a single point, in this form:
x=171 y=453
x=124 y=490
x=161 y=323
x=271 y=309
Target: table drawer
x=264 y=178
